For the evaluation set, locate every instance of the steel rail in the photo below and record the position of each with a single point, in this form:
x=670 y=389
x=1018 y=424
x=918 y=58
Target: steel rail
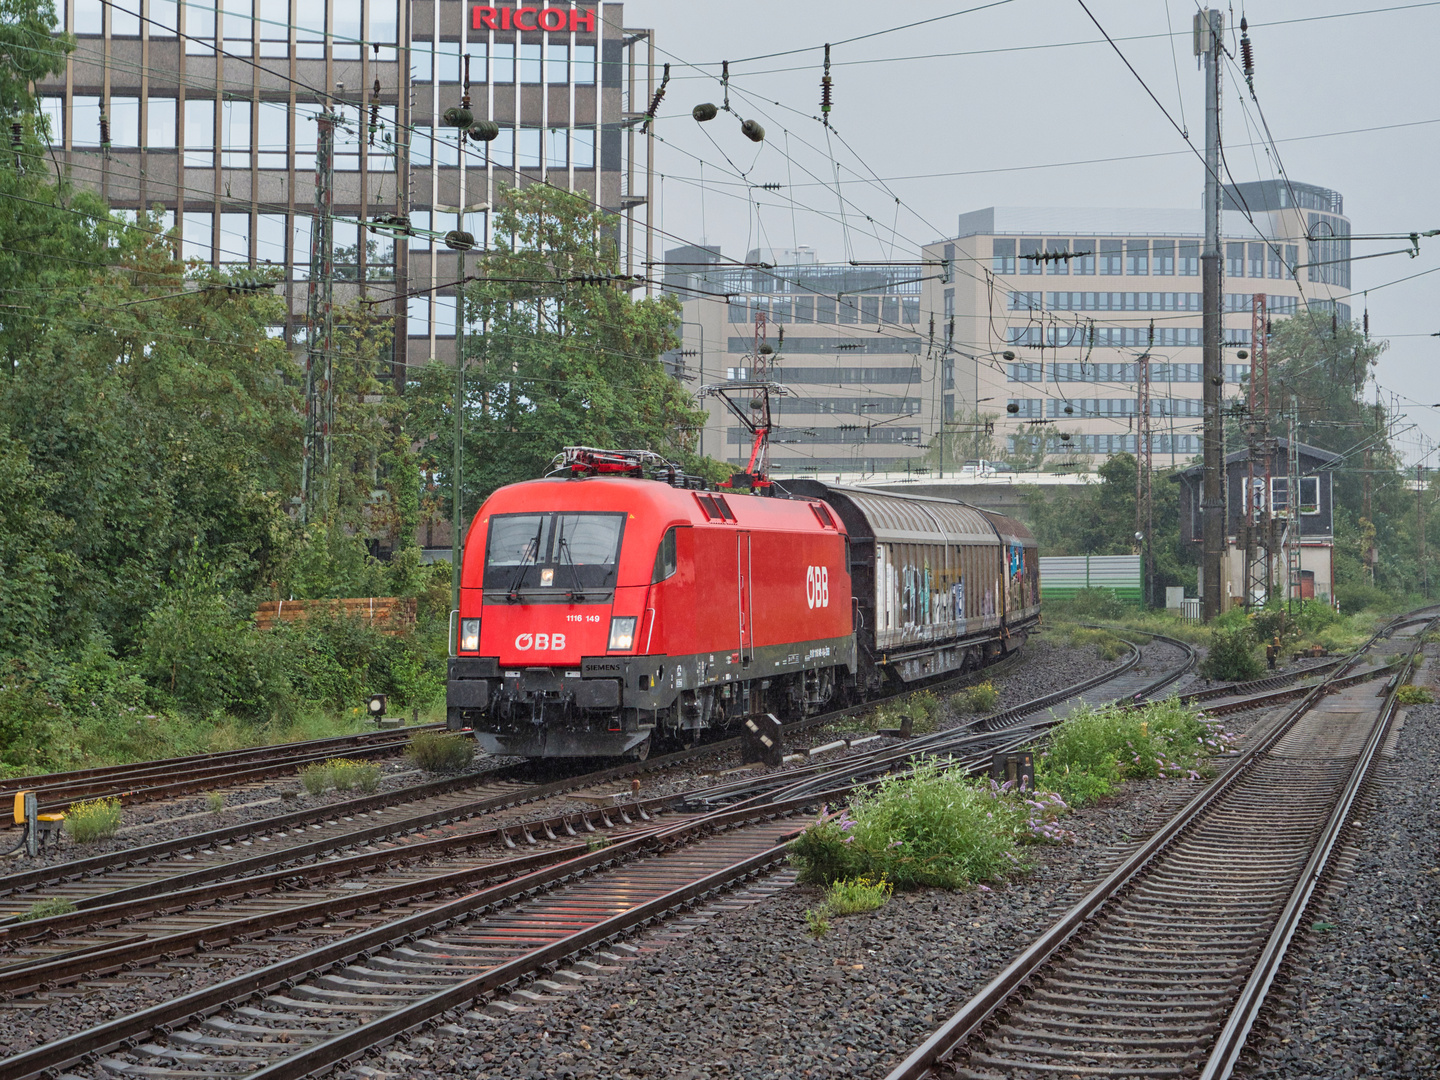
x=1231 y=1041
x=990 y=998
x=64 y=1052
x=305 y=746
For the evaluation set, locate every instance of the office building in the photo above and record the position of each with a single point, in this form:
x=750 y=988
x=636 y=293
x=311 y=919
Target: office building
x=1047 y=313
x=846 y=341
x=208 y=110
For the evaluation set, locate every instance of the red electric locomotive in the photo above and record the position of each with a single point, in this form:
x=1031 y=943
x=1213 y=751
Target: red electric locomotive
x=599 y=609
x=602 y=609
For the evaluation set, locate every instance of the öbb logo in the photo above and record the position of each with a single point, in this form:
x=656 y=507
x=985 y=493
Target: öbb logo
x=817 y=586
x=540 y=642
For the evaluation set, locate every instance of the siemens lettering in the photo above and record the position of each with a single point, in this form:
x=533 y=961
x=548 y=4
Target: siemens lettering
x=553 y=19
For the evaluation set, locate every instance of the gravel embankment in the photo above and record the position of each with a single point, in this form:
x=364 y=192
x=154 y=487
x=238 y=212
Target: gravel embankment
x=751 y=995
x=1360 y=994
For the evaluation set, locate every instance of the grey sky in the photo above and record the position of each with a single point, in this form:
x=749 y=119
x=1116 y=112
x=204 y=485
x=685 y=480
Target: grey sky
x=1003 y=107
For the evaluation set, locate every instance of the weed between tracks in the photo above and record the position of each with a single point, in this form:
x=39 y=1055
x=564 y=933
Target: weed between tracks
x=44 y=909
x=343 y=774
x=97 y=819
x=436 y=751
x=937 y=828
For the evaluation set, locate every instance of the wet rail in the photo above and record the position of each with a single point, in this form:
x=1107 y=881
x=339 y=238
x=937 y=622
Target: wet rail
x=1161 y=969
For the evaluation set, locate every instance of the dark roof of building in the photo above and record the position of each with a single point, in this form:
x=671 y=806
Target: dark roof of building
x=1324 y=457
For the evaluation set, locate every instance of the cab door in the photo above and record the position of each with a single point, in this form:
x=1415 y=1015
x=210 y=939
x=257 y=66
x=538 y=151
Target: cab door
x=745 y=597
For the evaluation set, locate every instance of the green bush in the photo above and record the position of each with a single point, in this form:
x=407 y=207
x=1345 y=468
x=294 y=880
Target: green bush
x=817 y=921
x=1232 y=656
x=215 y=801
x=857 y=896
x=436 y=751
x=97 y=819
x=981 y=698
x=931 y=828
x=1093 y=750
x=367 y=776
x=342 y=773
x=1413 y=695
x=316 y=777
x=45 y=909
x=1095 y=604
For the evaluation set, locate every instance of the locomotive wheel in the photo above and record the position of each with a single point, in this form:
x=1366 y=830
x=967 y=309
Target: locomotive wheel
x=641 y=752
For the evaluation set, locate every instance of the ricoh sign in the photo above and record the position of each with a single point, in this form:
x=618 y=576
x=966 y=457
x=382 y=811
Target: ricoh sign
x=553 y=19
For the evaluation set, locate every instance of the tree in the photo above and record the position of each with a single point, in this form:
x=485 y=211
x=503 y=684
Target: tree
x=558 y=353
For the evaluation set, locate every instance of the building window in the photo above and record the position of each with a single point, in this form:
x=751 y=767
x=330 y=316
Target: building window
x=1110 y=257
x=235 y=134
x=1003 y=260
x=274 y=138
x=200 y=27
x=237 y=27
x=347 y=36
x=584 y=65
x=444 y=316
x=199 y=134
x=160 y=123
x=417 y=316
x=870 y=309
x=420 y=223
x=557 y=63
x=300 y=250
x=310 y=31
x=582 y=147
x=124 y=122
x=530 y=70
x=949 y=302
x=1189 y=258
x=1059 y=247
x=1137 y=256
x=89 y=16
x=502 y=69
x=270 y=239
x=846 y=312
x=164 y=20
x=1164 y=255
x=124 y=19
x=195 y=236
x=557 y=148
x=274 y=19
x=234 y=238
x=1084 y=260
x=422 y=63
x=1235 y=260
x=380 y=256
x=1029 y=257
x=1257 y=260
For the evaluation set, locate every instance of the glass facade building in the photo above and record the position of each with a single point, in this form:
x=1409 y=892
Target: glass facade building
x=207 y=111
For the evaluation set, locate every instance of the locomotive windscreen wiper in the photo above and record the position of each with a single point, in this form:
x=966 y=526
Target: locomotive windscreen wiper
x=564 y=553
x=532 y=551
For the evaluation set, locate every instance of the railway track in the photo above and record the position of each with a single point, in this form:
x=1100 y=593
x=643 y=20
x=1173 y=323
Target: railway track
x=366 y=920
x=171 y=777
x=1161 y=969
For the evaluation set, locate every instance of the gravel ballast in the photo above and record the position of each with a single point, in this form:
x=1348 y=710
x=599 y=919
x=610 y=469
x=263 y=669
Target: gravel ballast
x=1360 y=992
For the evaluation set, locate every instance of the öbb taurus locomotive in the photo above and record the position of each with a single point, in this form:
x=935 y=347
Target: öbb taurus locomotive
x=602 y=611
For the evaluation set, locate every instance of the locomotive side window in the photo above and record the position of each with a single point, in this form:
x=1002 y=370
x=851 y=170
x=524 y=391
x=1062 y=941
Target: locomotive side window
x=569 y=552
x=665 y=561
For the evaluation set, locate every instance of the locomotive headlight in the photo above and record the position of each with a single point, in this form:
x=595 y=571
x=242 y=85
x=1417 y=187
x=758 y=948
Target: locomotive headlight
x=469 y=635
x=622 y=632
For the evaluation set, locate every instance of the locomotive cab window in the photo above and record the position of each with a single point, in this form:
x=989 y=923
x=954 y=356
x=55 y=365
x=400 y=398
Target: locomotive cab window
x=568 y=553
x=665 y=560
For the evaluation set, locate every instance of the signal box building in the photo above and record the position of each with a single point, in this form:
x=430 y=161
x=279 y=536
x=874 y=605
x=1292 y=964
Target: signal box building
x=1301 y=561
